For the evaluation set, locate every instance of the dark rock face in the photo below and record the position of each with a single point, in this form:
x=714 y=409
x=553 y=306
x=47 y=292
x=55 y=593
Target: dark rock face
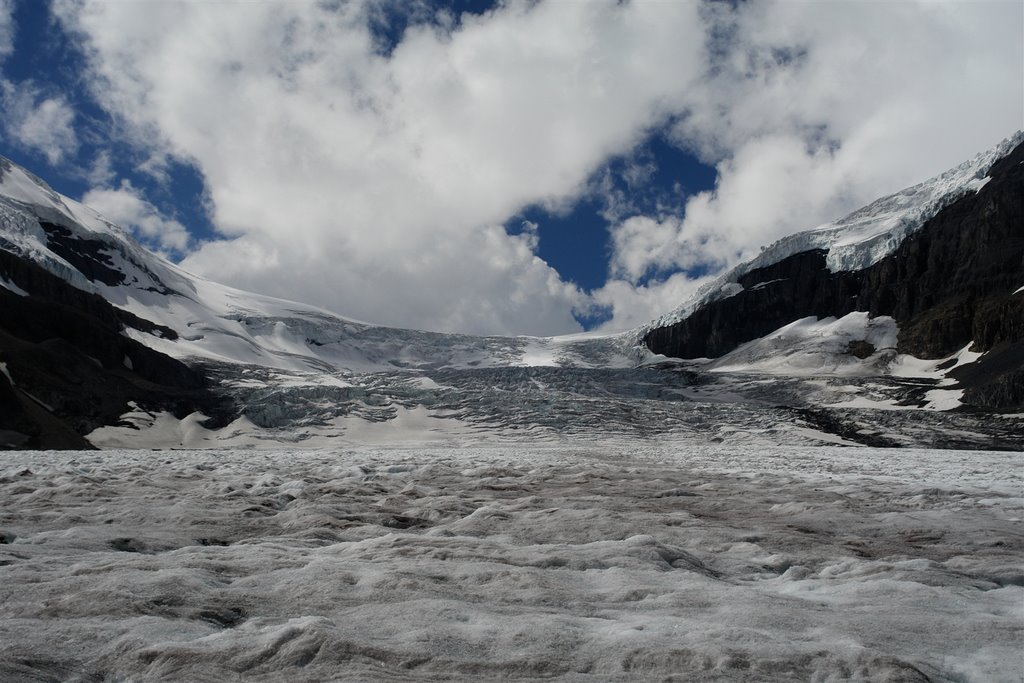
x=860 y=348
x=794 y=288
x=74 y=370
x=947 y=285
x=952 y=282
x=88 y=256
x=996 y=379
x=48 y=287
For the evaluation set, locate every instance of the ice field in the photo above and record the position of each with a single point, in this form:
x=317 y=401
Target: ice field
x=590 y=561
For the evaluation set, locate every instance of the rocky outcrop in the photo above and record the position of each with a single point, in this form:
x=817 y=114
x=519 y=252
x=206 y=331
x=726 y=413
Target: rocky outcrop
x=793 y=288
x=88 y=256
x=947 y=285
x=48 y=287
x=952 y=282
x=996 y=379
x=70 y=369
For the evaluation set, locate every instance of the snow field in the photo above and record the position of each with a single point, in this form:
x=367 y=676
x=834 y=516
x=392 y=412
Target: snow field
x=622 y=560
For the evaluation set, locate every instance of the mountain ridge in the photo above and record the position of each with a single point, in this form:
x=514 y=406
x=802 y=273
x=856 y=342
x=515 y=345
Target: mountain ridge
x=948 y=283
x=118 y=346
x=880 y=225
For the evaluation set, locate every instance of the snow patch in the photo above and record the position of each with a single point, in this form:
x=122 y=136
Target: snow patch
x=944 y=399
x=11 y=287
x=411 y=426
x=539 y=353
x=909 y=366
x=810 y=347
x=139 y=428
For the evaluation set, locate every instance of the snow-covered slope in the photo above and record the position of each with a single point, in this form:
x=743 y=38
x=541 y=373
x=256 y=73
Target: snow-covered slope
x=222 y=324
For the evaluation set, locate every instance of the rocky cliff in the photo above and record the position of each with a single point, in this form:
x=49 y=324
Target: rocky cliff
x=68 y=368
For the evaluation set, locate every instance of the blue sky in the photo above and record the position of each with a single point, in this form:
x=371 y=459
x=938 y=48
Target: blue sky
x=51 y=61
x=521 y=167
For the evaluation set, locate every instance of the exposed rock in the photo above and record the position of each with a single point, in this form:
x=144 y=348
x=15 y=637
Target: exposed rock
x=89 y=256
x=860 y=348
x=73 y=368
x=26 y=424
x=42 y=284
x=793 y=288
x=996 y=379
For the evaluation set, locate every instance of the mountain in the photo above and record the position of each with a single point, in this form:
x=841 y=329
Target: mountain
x=859 y=332
x=944 y=260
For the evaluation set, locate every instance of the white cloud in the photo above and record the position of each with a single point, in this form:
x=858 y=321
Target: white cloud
x=31 y=118
x=385 y=176
x=818 y=108
x=632 y=305
x=101 y=173
x=641 y=244
x=125 y=207
x=511 y=289
x=6 y=29
x=811 y=110
x=373 y=185
x=35 y=121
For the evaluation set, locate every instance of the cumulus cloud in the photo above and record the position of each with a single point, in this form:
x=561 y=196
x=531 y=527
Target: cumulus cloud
x=811 y=110
x=6 y=29
x=387 y=175
x=630 y=305
x=374 y=182
x=126 y=207
x=101 y=173
x=35 y=121
x=642 y=243
x=32 y=119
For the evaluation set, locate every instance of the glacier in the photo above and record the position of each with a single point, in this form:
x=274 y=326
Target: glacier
x=390 y=504
x=304 y=376
x=599 y=560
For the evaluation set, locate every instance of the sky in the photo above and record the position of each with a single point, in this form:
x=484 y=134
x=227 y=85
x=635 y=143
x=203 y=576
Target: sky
x=519 y=167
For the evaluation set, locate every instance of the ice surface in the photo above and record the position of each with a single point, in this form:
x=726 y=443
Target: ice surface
x=619 y=560
x=554 y=404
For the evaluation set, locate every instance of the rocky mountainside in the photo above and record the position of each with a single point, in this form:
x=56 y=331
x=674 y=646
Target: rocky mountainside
x=953 y=283
x=884 y=328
